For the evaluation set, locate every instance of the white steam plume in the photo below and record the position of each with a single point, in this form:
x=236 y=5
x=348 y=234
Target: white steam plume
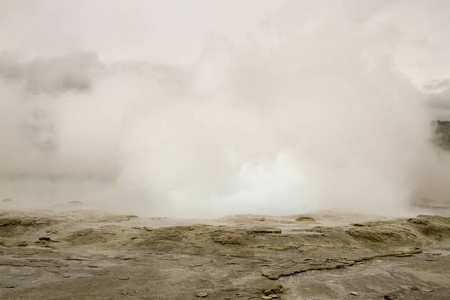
x=317 y=108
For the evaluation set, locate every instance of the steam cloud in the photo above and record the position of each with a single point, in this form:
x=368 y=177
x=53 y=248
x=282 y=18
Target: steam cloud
x=316 y=104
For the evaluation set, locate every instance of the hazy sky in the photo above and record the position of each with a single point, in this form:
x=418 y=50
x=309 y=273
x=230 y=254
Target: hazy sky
x=415 y=33
x=213 y=107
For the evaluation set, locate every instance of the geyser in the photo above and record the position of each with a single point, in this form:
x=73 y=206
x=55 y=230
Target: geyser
x=304 y=105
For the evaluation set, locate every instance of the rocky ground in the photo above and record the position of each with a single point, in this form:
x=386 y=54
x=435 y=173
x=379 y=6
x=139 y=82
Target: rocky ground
x=90 y=255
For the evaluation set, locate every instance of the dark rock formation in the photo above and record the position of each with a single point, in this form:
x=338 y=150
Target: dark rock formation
x=442 y=134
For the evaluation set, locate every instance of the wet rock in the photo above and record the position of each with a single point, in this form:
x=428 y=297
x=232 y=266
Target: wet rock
x=265 y=230
x=418 y=221
x=143 y=228
x=22 y=244
x=87 y=236
x=195 y=265
x=230 y=238
x=84 y=232
x=23 y=223
x=305 y=219
x=126 y=257
x=120 y=218
x=384 y=233
x=421 y=289
x=272 y=296
x=405 y=287
x=226 y=259
x=276 y=288
x=431 y=225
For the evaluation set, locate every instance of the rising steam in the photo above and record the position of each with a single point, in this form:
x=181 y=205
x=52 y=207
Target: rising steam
x=315 y=106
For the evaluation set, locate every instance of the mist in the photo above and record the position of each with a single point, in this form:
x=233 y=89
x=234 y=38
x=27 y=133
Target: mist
x=205 y=108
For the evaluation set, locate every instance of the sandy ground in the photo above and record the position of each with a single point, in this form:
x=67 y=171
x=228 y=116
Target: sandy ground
x=92 y=255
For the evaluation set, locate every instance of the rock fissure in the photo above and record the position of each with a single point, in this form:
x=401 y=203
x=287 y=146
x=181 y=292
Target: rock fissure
x=344 y=263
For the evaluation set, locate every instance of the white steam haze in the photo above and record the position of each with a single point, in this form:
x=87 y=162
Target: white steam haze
x=208 y=108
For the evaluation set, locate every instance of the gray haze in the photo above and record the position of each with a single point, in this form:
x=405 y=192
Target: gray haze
x=207 y=108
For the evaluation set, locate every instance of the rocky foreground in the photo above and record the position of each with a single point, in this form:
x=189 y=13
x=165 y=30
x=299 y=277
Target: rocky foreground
x=88 y=255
